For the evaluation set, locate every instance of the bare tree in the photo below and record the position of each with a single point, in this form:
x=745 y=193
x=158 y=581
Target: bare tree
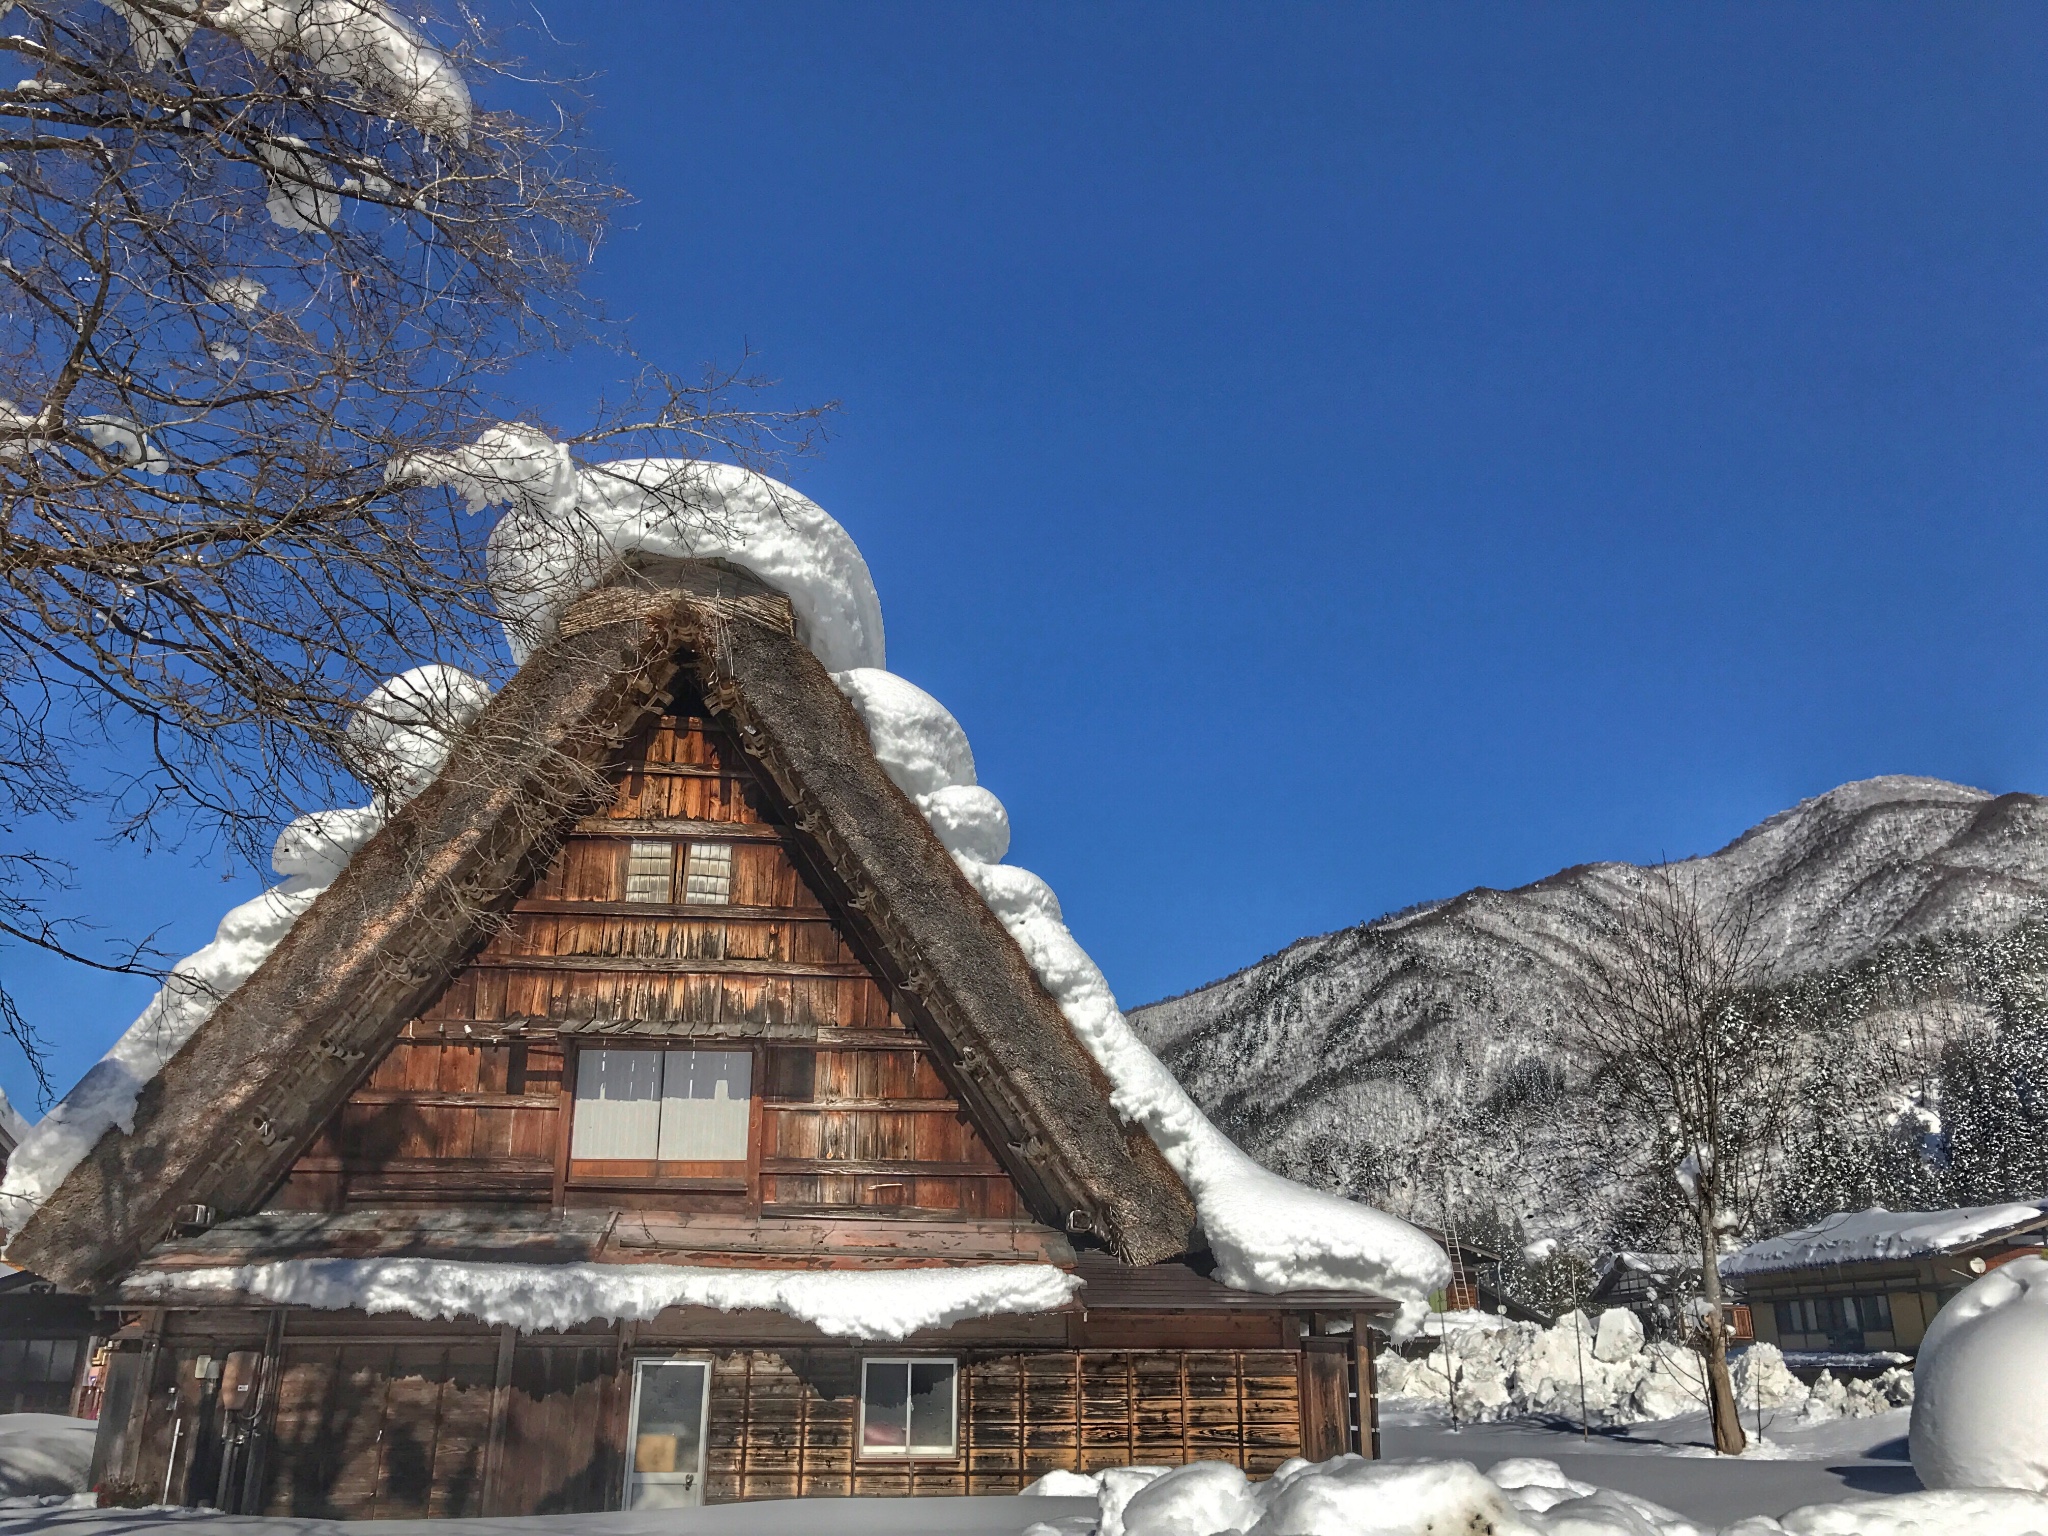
x=252 y=253
x=1666 y=1011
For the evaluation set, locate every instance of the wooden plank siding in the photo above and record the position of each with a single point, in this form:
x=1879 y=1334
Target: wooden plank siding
x=470 y=1106
x=383 y=1419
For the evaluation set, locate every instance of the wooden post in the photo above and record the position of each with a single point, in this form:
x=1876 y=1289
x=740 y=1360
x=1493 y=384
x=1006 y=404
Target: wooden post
x=262 y=1414
x=1363 y=1351
x=501 y=1411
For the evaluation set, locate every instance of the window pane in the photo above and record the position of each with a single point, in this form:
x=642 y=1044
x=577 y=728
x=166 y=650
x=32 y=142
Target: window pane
x=650 y=872
x=63 y=1358
x=931 y=1407
x=707 y=878
x=704 y=1106
x=618 y=1104
x=671 y=1424
x=1788 y=1318
x=1877 y=1312
x=884 y=1405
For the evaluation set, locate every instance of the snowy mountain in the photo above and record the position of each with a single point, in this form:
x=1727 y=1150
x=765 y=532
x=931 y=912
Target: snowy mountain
x=1421 y=1053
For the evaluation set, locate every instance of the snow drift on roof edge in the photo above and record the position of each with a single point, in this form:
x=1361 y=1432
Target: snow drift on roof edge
x=857 y=1304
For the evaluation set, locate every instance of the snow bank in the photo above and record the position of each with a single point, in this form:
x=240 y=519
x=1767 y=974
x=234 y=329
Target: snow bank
x=1878 y=1234
x=567 y=525
x=1350 y=1496
x=1508 y=1369
x=43 y=1455
x=1978 y=1421
x=856 y=1304
x=401 y=733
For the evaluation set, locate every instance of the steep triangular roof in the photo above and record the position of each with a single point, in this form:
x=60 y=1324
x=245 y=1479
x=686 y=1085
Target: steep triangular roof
x=230 y=1110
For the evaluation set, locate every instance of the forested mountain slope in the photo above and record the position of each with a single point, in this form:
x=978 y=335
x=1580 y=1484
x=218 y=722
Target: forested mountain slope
x=1419 y=1057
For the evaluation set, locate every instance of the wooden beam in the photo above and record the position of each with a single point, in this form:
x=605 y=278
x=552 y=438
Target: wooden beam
x=663 y=965
x=501 y=1411
x=703 y=831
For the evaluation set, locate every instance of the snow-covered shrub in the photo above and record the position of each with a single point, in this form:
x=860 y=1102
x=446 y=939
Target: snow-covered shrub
x=1977 y=1412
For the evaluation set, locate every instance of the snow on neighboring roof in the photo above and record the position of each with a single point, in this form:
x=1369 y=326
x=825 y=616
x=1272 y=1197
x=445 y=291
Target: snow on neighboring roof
x=1877 y=1234
x=403 y=729
x=13 y=1124
x=568 y=525
x=855 y=1304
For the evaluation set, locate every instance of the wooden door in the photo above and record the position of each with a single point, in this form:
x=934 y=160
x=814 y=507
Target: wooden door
x=1325 y=1398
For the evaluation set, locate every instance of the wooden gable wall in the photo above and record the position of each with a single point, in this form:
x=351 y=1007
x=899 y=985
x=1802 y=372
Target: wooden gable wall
x=471 y=1105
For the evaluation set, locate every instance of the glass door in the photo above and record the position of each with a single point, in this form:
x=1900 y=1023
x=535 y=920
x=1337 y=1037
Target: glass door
x=670 y=1398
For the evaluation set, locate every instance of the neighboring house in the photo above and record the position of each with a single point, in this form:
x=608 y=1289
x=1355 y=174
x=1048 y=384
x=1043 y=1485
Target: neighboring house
x=662 y=1033
x=1474 y=1286
x=1872 y=1280
x=1651 y=1285
x=48 y=1341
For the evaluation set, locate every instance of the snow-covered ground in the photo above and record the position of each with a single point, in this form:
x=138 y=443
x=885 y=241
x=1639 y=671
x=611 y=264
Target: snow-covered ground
x=1671 y=1461
x=43 y=1456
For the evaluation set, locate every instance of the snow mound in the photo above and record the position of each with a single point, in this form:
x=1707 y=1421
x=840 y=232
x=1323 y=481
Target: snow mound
x=567 y=525
x=403 y=730
x=918 y=743
x=1977 y=1417
x=44 y=1455
x=404 y=726
x=855 y=1304
x=1973 y=1512
x=1877 y=1235
x=1504 y=1369
x=1350 y=1496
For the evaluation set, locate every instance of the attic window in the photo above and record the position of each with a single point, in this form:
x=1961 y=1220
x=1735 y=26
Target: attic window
x=650 y=872
x=707 y=878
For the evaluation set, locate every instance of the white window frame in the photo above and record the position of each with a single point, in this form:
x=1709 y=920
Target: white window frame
x=717 y=854
x=694 y=1478
x=663 y=1055
x=906 y=1452
x=668 y=891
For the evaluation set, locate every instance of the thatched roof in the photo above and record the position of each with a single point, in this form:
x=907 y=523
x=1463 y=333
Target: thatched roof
x=229 y=1112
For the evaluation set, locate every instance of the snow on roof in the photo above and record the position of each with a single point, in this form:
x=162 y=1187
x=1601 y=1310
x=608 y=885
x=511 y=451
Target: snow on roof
x=1877 y=1234
x=855 y=1304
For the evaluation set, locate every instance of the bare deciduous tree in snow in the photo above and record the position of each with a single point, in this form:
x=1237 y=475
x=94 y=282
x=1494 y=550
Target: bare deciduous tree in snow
x=252 y=252
x=1666 y=1009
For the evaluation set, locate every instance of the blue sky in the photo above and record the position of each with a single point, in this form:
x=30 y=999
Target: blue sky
x=1329 y=457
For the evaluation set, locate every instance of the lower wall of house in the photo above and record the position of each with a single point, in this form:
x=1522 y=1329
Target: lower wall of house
x=384 y=1421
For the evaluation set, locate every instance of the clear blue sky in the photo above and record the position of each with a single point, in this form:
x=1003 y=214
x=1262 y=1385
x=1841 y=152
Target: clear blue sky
x=1333 y=456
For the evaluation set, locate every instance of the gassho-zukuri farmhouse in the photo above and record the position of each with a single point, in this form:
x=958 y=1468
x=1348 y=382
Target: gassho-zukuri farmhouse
x=662 y=1092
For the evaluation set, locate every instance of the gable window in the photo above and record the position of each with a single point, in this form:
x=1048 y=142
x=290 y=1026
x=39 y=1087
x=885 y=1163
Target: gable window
x=651 y=872
x=907 y=1407
x=707 y=877
x=661 y=1113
